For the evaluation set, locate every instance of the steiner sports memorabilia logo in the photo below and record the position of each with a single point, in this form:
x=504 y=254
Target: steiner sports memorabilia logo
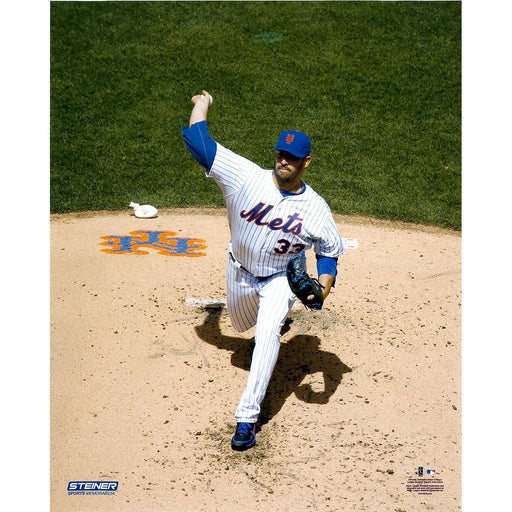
x=97 y=487
x=164 y=242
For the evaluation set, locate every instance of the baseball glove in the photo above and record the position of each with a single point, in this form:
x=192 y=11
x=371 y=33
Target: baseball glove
x=302 y=285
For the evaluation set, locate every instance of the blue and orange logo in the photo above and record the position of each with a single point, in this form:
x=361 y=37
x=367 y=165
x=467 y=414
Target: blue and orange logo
x=164 y=242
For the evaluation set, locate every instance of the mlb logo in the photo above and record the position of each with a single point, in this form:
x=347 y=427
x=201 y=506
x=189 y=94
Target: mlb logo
x=431 y=471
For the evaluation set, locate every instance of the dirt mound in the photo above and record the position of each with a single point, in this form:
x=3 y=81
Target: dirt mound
x=146 y=372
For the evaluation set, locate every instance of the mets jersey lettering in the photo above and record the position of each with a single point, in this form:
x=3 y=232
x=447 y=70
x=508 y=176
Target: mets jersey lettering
x=257 y=214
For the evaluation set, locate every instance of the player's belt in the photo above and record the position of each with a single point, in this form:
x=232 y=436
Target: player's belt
x=241 y=267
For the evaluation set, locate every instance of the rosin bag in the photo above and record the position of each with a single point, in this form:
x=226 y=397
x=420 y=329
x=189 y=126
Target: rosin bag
x=145 y=211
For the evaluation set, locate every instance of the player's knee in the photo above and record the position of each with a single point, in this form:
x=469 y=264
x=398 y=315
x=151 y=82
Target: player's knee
x=270 y=337
x=240 y=326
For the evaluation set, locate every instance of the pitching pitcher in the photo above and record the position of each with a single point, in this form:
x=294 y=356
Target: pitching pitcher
x=274 y=217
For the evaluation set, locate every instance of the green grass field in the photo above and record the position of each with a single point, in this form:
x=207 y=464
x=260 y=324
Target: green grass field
x=376 y=86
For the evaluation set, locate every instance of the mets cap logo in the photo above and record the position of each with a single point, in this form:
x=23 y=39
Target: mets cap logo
x=294 y=142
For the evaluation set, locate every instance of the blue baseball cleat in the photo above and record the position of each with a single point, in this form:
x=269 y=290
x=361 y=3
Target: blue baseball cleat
x=245 y=436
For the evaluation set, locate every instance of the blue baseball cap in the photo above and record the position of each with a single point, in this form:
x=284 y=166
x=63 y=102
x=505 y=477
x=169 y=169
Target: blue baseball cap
x=294 y=142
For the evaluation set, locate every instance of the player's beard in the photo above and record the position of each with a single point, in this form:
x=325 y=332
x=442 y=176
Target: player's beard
x=290 y=176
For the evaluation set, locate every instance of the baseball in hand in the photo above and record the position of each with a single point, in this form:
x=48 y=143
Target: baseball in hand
x=211 y=98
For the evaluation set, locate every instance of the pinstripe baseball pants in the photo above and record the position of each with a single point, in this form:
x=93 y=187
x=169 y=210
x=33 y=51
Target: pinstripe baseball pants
x=266 y=304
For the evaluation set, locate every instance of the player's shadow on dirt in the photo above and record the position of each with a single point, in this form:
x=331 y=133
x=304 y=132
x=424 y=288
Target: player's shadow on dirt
x=298 y=357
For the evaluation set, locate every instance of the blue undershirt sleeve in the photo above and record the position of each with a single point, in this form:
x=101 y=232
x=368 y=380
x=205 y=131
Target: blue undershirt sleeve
x=326 y=265
x=198 y=141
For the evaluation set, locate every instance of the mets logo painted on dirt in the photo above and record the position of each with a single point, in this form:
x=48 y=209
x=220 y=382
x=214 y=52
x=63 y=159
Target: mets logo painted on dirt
x=164 y=242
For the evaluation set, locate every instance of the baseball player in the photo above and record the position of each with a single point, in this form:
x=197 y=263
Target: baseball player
x=273 y=215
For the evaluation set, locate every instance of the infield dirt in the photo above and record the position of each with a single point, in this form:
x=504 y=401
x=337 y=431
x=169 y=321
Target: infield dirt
x=146 y=372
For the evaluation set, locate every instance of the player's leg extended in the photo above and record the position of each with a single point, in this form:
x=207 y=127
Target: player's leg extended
x=242 y=298
x=276 y=300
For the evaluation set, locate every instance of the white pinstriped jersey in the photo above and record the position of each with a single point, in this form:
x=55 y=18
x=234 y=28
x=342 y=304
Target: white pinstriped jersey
x=266 y=227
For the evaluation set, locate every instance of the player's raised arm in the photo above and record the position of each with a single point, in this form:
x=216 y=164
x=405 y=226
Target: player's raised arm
x=197 y=139
x=202 y=103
